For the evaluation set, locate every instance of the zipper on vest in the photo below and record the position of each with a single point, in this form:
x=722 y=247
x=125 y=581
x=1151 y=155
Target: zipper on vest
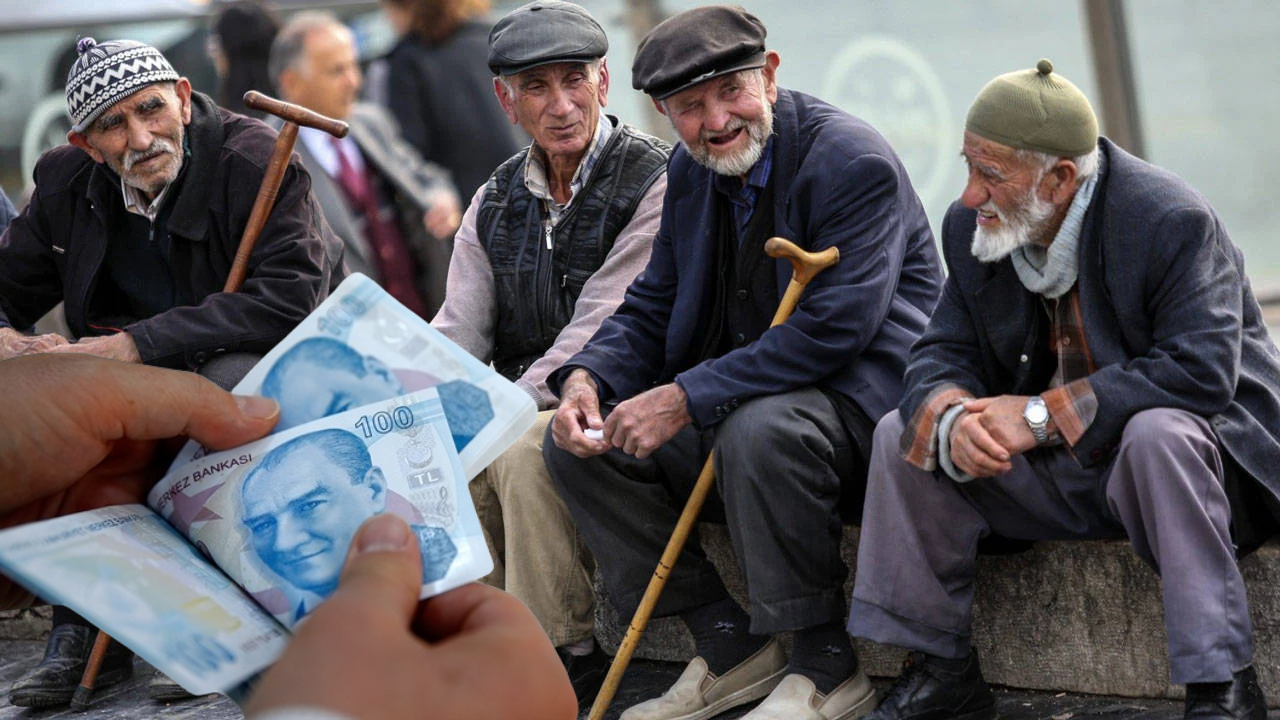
x=547 y=233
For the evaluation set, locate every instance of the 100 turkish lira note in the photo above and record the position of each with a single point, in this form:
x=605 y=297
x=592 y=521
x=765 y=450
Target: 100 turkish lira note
x=277 y=515
x=132 y=575
x=362 y=346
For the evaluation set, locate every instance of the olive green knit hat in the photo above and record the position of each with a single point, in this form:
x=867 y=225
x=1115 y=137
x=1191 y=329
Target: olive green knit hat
x=1035 y=110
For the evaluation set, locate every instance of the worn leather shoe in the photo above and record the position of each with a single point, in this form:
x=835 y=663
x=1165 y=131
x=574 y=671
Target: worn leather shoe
x=54 y=681
x=933 y=688
x=698 y=694
x=1240 y=698
x=796 y=698
x=586 y=672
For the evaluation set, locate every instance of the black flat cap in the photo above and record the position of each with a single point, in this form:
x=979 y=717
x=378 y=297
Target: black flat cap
x=697 y=45
x=542 y=32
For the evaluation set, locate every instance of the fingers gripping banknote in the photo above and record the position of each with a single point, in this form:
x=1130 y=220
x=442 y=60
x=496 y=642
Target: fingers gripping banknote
x=239 y=546
x=361 y=346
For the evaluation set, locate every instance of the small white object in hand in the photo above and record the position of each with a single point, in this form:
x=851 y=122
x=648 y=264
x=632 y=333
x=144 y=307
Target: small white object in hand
x=594 y=434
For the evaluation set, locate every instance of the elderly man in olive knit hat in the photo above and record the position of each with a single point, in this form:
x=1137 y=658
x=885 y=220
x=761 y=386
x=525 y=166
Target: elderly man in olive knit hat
x=134 y=225
x=1097 y=368
x=692 y=364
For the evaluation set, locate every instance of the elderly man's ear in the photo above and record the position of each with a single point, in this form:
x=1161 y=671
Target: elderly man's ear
x=1060 y=181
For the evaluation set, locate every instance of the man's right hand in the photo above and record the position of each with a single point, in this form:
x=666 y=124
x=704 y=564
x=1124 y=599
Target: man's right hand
x=579 y=410
x=974 y=450
x=14 y=344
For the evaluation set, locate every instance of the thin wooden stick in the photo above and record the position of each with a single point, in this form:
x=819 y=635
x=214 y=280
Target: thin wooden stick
x=805 y=266
x=294 y=116
x=80 y=701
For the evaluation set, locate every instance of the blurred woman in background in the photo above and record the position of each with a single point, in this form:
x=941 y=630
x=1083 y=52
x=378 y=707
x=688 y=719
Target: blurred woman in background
x=437 y=83
x=239 y=44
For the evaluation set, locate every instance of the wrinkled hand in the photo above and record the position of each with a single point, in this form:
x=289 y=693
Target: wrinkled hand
x=15 y=344
x=1003 y=420
x=373 y=651
x=579 y=409
x=647 y=421
x=989 y=434
x=445 y=215
x=119 y=346
x=79 y=432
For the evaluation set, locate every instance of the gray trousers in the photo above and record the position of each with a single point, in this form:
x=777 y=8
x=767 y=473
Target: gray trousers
x=1163 y=489
x=779 y=464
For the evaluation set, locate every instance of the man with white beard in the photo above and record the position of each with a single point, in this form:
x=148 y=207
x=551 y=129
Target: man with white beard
x=691 y=364
x=1097 y=367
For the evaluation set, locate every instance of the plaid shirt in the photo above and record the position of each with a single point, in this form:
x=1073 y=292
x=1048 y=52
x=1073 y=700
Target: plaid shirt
x=1070 y=398
x=744 y=195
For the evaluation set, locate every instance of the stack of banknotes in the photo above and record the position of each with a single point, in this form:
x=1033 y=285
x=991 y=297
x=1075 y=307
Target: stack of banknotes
x=379 y=413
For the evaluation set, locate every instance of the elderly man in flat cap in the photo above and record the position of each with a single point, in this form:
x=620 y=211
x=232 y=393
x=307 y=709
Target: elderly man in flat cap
x=134 y=225
x=692 y=365
x=545 y=252
x=1097 y=367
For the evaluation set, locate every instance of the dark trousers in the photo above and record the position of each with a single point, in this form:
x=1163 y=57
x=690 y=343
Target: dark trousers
x=780 y=464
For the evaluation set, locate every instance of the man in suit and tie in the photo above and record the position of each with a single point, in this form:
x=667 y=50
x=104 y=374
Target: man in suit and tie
x=395 y=212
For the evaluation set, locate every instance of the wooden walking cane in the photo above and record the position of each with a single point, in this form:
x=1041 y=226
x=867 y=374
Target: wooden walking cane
x=294 y=116
x=805 y=266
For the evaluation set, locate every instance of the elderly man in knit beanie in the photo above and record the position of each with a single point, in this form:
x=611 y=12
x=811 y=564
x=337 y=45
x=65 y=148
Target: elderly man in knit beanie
x=135 y=224
x=1097 y=368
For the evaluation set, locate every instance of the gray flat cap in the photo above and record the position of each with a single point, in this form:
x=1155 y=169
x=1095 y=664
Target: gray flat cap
x=697 y=45
x=543 y=32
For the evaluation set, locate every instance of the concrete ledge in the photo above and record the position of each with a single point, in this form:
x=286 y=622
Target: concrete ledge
x=1076 y=616
x=28 y=624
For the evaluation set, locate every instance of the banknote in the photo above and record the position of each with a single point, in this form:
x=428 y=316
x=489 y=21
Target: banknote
x=362 y=346
x=128 y=572
x=277 y=515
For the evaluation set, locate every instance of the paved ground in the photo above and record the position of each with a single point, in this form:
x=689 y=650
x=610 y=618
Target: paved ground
x=645 y=679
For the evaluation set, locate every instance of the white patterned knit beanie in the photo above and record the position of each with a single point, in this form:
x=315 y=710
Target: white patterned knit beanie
x=106 y=73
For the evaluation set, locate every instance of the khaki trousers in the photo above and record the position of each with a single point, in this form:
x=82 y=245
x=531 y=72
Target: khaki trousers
x=537 y=555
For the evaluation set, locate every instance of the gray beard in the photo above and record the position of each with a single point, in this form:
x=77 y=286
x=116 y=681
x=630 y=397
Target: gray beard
x=1018 y=227
x=740 y=162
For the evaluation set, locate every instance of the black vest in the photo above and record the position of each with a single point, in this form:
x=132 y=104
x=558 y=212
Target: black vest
x=746 y=292
x=538 y=273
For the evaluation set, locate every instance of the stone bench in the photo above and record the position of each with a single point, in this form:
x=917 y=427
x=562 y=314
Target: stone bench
x=1075 y=616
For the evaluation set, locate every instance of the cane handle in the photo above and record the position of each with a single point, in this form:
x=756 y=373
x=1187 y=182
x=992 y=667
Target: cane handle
x=296 y=114
x=805 y=264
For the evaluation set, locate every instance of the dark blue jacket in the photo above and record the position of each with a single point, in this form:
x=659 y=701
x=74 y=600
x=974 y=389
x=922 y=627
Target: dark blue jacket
x=836 y=183
x=1169 y=318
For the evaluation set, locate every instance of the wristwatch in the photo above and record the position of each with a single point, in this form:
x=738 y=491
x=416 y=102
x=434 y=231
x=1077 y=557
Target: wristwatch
x=1037 y=416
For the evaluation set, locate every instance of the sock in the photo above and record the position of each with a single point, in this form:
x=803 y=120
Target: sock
x=823 y=654
x=580 y=648
x=66 y=616
x=721 y=631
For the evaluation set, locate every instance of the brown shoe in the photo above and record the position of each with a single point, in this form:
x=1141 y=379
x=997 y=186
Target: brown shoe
x=698 y=694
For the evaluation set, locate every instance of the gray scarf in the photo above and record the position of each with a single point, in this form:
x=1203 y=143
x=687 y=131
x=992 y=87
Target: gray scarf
x=1051 y=271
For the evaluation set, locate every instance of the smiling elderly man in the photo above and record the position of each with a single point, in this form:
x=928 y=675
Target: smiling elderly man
x=1097 y=367
x=692 y=364
x=135 y=225
x=544 y=255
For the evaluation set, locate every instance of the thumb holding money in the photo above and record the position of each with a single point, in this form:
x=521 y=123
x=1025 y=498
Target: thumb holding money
x=373 y=651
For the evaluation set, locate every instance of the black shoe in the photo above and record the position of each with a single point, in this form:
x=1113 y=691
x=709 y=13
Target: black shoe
x=54 y=681
x=163 y=689
x=586 y=673
x=933 y=688
x=1240 y=698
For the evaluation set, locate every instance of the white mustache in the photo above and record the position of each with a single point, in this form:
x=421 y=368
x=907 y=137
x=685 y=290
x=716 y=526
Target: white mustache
x=158 y=146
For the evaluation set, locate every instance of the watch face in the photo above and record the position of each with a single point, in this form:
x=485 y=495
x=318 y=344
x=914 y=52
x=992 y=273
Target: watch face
x=1037 y=413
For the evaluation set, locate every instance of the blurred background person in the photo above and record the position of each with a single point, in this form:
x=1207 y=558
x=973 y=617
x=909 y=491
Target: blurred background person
x=395 y=213
x=239 y=43
x=436 y=82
